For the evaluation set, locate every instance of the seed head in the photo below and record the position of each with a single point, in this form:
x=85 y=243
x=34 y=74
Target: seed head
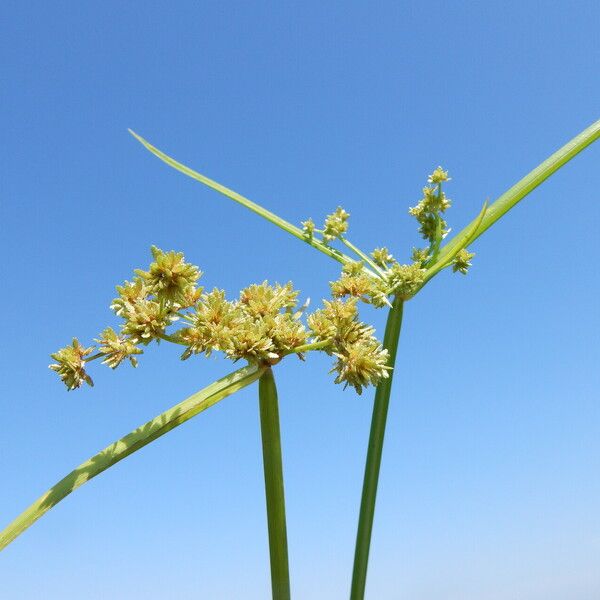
x=169 y=277
x=462 y=261
x=117 y=348
x=438 y=176
x=308 y=227
x=361 y=364
x=70 y=365
x=336 y=224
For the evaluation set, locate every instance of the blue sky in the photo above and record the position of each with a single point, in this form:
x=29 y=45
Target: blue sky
x=489 y=484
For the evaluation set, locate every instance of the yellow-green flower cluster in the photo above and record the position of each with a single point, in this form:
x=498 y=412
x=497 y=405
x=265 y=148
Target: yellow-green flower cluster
x=355 y=282
x=150 y=303
x=406 y=280
x=308 y=227
x=360 y=358
x=117 y=348
x=263 y=325
x=373 y=279
x=170 y=278
x=382 y=257
x=434 y=202
x=462 y=261
x=402 y=280
x=147 y=305
x=336 y=224
x=70 y=365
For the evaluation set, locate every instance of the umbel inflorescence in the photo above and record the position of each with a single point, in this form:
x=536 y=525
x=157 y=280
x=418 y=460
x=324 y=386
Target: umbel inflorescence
x=375 y=277
x=261 y=326
x=265 y=323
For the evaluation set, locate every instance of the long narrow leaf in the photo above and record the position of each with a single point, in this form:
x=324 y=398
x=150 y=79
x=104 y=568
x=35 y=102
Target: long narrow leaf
x=526 y=185
x=463 y=239
x=256 y=208
x=129 y=444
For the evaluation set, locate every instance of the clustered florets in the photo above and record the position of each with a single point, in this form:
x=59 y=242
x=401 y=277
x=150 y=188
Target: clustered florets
x=462 y=261
x=336 y=224
x=70 y=365
x=170 y=278
x=361 y=360
x=265 y=323
x=428 y=210
x=373 y=279
x=117 y=348
x=262 y=326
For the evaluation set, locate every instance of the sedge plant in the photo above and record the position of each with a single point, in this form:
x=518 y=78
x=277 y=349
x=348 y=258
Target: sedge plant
x=379 y=279
x=264 y=325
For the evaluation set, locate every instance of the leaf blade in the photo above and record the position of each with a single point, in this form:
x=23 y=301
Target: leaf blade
x=526 y=185
x=236 y=197
x=132 y=442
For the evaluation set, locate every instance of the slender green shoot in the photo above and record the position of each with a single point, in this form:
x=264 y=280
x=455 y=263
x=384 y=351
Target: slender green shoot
x=525 y=186
x=373 y=464
x=363 y=256
x=256 y=208
x=463 y=239
x=274 y=492
x=129 y=444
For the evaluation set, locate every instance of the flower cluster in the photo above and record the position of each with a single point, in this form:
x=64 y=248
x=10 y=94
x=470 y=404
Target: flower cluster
x=336 y=224
x=428 y=210
x=360 y=358
x=374 y=278
x=116 y=348
x=462 y=261
x=401 y=280
x=170 y=278
x=265 y=323
x=70 y=365
x=262 y=326
x=147 y=305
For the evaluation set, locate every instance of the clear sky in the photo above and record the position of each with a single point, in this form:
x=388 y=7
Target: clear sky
x=490 y=485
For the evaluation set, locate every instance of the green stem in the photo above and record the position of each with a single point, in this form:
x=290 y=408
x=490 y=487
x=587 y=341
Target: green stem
x=273 y=467
x=362 y=255
x=311 y=346
x=256 y=208
x=129 y=444
x=369 y=492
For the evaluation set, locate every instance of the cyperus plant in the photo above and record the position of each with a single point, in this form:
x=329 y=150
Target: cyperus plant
x=265 y=324
x=262 y=326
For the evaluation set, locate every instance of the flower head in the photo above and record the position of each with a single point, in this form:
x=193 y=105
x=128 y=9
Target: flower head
x=130 y=293
x=147 y=320
x=169 y=277
x=212 y=323
x=263 y=299
x=70 y=365
x=462 y=261
x=354 y=281
x=406 y=280
x=438 y=176
x=382 y=257
x=308 y=227
x=336 y=224
x=117 y=348
x=361 y=364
